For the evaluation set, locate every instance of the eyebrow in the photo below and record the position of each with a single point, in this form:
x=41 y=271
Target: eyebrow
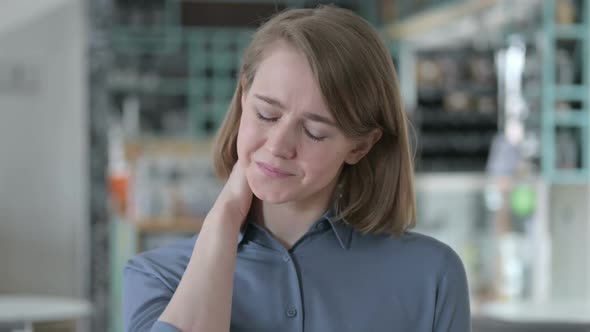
x=308 y=115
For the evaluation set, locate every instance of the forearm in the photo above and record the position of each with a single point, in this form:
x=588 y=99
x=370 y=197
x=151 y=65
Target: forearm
x=202 y=301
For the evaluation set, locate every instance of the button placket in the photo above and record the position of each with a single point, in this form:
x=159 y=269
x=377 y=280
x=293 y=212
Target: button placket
x=292 y=308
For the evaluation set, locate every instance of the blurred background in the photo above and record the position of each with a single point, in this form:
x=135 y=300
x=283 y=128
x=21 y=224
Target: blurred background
x=108 y=107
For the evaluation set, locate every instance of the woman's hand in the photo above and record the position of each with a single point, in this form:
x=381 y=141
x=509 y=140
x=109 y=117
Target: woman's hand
x=236 y=196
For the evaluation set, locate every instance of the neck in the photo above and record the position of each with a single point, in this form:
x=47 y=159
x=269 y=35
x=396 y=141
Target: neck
x=288 y=222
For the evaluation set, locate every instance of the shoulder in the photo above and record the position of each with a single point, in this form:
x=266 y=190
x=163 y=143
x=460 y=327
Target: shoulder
x=416 y=253
x=439 y=258
x=427 y=248
x=166 y=263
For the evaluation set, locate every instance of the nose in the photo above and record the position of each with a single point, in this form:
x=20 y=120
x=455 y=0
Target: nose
x=281 y=141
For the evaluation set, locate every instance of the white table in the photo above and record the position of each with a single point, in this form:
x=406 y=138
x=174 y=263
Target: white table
x=28 y=309
x=570 y=312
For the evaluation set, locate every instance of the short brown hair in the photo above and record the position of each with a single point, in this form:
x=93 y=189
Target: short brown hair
x=358 y=81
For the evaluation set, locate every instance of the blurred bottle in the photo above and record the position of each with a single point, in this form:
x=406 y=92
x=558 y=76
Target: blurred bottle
x=565 y=11
x=117 y=171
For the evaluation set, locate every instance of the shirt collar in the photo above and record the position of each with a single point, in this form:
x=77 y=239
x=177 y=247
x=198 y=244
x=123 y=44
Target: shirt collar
x=342 y=230
x=340 y=227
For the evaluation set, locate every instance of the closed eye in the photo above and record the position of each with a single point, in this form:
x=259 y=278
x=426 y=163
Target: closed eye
x=313 y=138
x=263 y=118
x=269 y=119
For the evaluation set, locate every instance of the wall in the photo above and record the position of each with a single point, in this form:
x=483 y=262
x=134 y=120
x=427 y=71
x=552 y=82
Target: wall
x=17 y=12
x=43 y=153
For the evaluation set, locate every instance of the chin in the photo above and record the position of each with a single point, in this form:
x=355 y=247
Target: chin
x=271 y=196
x=268 y=191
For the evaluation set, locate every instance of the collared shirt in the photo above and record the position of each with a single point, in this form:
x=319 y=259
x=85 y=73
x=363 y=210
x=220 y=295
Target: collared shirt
x=333 y=279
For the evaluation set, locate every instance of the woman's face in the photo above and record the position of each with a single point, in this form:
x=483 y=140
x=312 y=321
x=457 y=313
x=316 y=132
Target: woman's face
x=288 y=140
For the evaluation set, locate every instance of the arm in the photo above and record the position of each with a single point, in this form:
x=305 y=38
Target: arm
x=452 y=313
x=202 y=300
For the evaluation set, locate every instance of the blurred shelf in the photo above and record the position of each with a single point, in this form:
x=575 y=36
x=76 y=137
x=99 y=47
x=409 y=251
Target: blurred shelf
x=169 y=225
x=455 y=144
x=196 y=65
x=158 y=146
x=451 y=181
x=451 y=120
x=555 y=311
x=574 y=31
x=570 y=176
x=436 y=17
x=577 y=117
x=148 y=85
x=571 y=118
x=458 y=165
x=570 y=92
x=472 y=88
x=158 y=40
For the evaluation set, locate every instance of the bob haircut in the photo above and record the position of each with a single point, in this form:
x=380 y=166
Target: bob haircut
x=359 y=85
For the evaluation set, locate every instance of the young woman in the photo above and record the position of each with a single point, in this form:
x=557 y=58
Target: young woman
x=311 y=230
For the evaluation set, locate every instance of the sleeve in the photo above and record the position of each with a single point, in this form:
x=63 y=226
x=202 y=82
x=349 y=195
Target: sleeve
x=452 y=312
x=163 y=327
x=144 y=299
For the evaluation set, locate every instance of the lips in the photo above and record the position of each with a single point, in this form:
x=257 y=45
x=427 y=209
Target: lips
x=272 y=171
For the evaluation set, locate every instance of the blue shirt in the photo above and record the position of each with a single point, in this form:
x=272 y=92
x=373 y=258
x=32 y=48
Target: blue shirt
x=333 y=279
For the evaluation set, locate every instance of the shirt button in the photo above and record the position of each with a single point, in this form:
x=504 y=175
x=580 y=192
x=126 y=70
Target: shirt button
x=291 y=312
x=286 y=257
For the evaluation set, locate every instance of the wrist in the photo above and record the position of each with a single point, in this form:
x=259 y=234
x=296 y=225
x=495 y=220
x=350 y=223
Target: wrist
x=226 y=213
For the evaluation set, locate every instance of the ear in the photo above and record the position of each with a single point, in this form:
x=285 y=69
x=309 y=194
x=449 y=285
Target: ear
x=363 y=146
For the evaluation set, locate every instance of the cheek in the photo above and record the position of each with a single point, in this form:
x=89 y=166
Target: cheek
x=247 y=138
x=325 y=163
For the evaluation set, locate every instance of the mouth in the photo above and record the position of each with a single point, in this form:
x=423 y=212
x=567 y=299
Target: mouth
x=272 y=171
